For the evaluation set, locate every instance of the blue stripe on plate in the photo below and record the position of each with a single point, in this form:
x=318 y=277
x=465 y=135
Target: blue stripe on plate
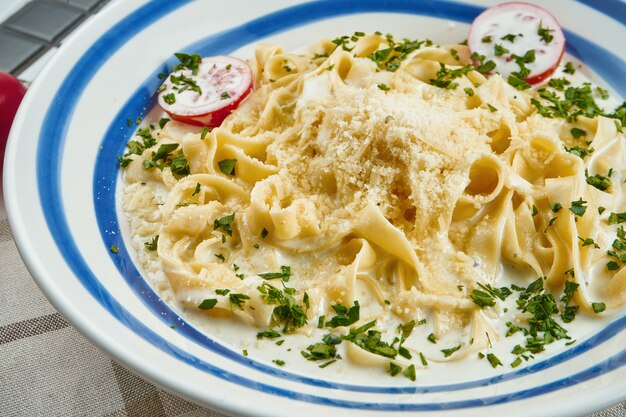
x=51 y=144
x=615 y=9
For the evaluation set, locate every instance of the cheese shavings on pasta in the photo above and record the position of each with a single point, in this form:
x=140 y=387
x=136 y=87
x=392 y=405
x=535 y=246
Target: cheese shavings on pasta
x=381 y=186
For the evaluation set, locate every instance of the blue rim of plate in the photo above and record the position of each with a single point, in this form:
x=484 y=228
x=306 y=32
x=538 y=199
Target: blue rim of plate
x=49 y=158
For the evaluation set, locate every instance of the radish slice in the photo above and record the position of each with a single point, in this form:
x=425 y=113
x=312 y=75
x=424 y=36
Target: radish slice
x=208 y=96
x=515 y=28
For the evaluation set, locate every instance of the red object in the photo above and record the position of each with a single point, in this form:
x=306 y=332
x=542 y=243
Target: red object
x=223 y=83
x=11 y=93
x=523 y=22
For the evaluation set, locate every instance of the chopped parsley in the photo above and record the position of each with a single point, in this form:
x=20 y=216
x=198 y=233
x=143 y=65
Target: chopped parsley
x=164 y=157
x=542 y=328
x=389 y=58
x=153 y=244
x=579 y=152
x=320 y=351
x=615 y=218
x=486 y=296
x=517 y=82
x=500 y=50
x=114 y=249
x=480 y=64
x=445 y=76
x=345 y=316
x=517 y=362
x=491 y=108
x=383 y=87
x=577 y=133
x=225 y=224
x=598 y=307
x=169 y=98
x=578 y=207
x=432 y=338
x=205 y=131
x=268 y=334
x=588 y=242
x=600 y=182
x=569 y=312
x=225 y=95
x=237 y=300
x=555 y=207
x=450 y=351
x=179 y=164
x=227 y=166
x=544 y=34
x=394 y=369
x=208 y=304
x=409 y=372
x=197 y=189
x=510 y=37
x=559 y=84
x=287 y=312
x=612 y=266
x=284 y=274
x=163 y=121
x=264 y=233
x=190 y=62
x=569 y=68
x=493 y=360
x=183 y=83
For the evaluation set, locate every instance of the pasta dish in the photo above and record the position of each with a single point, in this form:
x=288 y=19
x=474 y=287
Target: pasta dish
x=382 y=195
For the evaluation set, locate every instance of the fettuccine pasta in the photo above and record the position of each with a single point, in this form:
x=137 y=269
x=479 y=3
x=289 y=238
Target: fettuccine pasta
x=396 y=184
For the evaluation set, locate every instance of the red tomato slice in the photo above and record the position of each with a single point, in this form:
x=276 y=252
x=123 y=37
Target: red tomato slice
x=515 y=28
x=207 y=97
x=11 y=93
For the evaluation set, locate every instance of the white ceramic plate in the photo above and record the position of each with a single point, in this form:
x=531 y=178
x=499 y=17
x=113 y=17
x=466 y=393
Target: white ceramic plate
x=61 y=178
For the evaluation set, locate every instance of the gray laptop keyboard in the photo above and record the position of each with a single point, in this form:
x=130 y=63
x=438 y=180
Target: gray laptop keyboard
x=32 y=33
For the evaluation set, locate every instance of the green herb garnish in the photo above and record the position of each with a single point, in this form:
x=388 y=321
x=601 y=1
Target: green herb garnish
x=207 y=304
x=152 y=245
x=225 y=224
x=284 y=274
x=227 y=166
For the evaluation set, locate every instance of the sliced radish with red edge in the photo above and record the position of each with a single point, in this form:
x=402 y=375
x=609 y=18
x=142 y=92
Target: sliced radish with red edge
x=518 y=27
x=205 y=98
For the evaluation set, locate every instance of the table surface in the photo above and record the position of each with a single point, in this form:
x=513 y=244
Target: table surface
x=47 y=367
